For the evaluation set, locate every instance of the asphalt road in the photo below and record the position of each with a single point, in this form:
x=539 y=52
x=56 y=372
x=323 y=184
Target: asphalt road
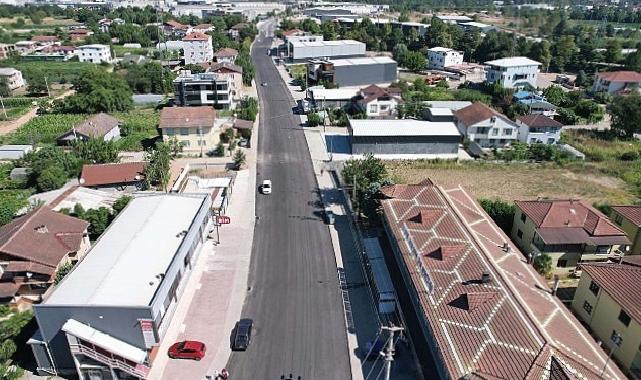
x=294 y=298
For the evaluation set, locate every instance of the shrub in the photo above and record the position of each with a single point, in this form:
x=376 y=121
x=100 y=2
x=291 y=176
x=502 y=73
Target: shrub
x=500 y=211
x=543 y=264
x=219 y=151
x=314 y=119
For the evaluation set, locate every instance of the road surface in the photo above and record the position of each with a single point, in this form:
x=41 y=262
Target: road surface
x=294 y=298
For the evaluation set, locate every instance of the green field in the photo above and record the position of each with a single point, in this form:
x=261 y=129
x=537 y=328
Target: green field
x=55 y=71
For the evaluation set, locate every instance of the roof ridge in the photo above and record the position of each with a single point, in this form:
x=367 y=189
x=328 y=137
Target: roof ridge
x=25 y=221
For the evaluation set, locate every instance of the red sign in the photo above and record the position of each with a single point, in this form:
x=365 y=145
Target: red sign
x=222 y=219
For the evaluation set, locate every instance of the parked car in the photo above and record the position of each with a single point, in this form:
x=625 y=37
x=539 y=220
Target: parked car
x=329 y=216
x=244 y=143
x=242 y=334
x=264 y=84
x=266 y=187
x=188 y=349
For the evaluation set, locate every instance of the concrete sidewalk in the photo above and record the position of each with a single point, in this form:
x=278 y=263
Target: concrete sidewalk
x=215 y=292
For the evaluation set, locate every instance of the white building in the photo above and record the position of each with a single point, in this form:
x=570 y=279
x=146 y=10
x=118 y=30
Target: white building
x=379 y=102
x=301 y=51
x=617 y=81
x=95 y=53
x=204 y=89
x=513 y=72
x=13 y=77
x=538 y=129
x=485 y=126
x=197 y=48
x=300 y=38
x=438 y=58
x=113 y=309
x=25 y=46
x=454 y=19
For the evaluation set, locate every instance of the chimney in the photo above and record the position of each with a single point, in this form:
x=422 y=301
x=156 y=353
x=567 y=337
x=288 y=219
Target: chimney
x=485 y=277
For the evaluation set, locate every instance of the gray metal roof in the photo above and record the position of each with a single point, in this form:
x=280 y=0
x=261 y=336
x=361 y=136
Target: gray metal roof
x=122 y=267
x=405 y=127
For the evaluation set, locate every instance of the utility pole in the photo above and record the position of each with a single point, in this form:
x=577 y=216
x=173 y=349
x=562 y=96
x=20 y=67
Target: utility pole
x=389 y=352
x=47 y=84
x=3 y=109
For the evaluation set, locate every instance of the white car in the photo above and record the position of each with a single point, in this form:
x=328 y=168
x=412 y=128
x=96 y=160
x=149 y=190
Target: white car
x=266 y=187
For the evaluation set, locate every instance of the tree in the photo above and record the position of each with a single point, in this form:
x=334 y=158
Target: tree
x=219 y=151
x=314 y=119
x=239 y=159
x=99 y=220
x=156 y=171
x=581 y=79
x=244 y=60
x=613 y=52
x=36 y=83
x=633 y=61
x=175 y=146
x=541 y=52
x=368 y=175
x=568 y=117
x=97 y=91
x=589 y=110
x=63 y=271
x=4 y=87
x=500 y=211
x=96 y=151
x=554 y=94
x=195 y=69
x=415 y=61
x=52 y=178
x=543 y=264
x=626 y=113
x=121 y=203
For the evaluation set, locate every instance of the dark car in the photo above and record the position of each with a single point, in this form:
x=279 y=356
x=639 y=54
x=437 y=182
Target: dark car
x=188 y=349
x=242 y=334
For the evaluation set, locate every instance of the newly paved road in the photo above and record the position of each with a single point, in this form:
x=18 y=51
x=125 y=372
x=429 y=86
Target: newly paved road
x=294 y=298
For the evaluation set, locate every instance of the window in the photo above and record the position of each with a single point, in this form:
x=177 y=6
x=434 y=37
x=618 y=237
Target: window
x=603 y=249
x=373 y=108
x=495 y=131
x=507 y=132
x=562 y=263
x=618 y=219
x=624 y=318
x=523 y=217
x=169 y=131
x=587 y=307
x=184 y=131
x=594 y=288
x=519 y=233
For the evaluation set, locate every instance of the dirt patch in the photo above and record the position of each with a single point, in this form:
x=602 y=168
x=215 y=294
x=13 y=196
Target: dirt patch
x=516 y=181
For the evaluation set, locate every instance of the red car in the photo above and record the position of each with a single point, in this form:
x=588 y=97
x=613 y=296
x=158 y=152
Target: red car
x=188 y=349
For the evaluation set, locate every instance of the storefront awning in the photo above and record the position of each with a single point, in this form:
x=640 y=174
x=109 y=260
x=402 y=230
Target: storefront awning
x=107 y=342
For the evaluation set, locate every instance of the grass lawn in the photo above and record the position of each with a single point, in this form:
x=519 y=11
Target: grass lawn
x=517 y=181
x=55 y=71
x=120 y=50
x=14 y=113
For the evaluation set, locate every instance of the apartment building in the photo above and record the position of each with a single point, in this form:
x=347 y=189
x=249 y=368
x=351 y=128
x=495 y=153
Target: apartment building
x=95 y=53
x=438 y=58
x=197 y=48
x=513 y=72
x=205 y=89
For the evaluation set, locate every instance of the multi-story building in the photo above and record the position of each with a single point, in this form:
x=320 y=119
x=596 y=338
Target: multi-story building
x=438 y=58
x=538 y=129
x=95 y=53
x=353 y=72
x=297 y=35
x=628 y=218
x=12 y=76
x=113 y=309
x=197 y=48
x=193 y=127
x=569 y=231
x=513 y=72
x=226 y=55
x=481 y=311
x=378 y=102
x=617 y=82
x=6 y=50
x=485 y=126
x=607 y=301
x=204 y=89
x=234 y=72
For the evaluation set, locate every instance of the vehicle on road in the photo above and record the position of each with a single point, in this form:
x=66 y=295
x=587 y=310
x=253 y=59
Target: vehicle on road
x=303 y=106
x=242 y=334
x=328 y=216
x=266 y=187
x=187 y=349
x=264 y=84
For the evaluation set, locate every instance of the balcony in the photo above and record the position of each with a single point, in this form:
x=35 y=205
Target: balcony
x=139 y=370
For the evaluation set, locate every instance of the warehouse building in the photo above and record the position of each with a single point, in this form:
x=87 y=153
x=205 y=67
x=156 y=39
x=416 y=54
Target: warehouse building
x=482 y=312
x=353 y=72
x=106 y=316
x=305 y=50
x=404 y=137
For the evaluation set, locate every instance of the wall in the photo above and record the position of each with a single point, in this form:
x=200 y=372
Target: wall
x=405 y=145
x=365 y=74
x=507 y=76
x=120 y=322
x=527 y=228
x=210 y=136
x=604 y=319
x=488 y=138
x=631 y=230
x=299 y=53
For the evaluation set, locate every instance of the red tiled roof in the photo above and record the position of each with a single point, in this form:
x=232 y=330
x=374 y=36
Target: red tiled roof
x=107 y=174
x=568 y=214
x=620 y=76
x=202 y=26
x=187 y=117
x=477 y=112
x=539 y=121
x=80 y=31
x=621 y=281
x=631 y=213
x=38 y=237
x=8 y=289
x=292 y=32
x=510 y=328
x=44 y=38
x=196 y=36
x=96 y=126
x=226 y=52
x=222 y=67
x=374 y=92
x=176 y=25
